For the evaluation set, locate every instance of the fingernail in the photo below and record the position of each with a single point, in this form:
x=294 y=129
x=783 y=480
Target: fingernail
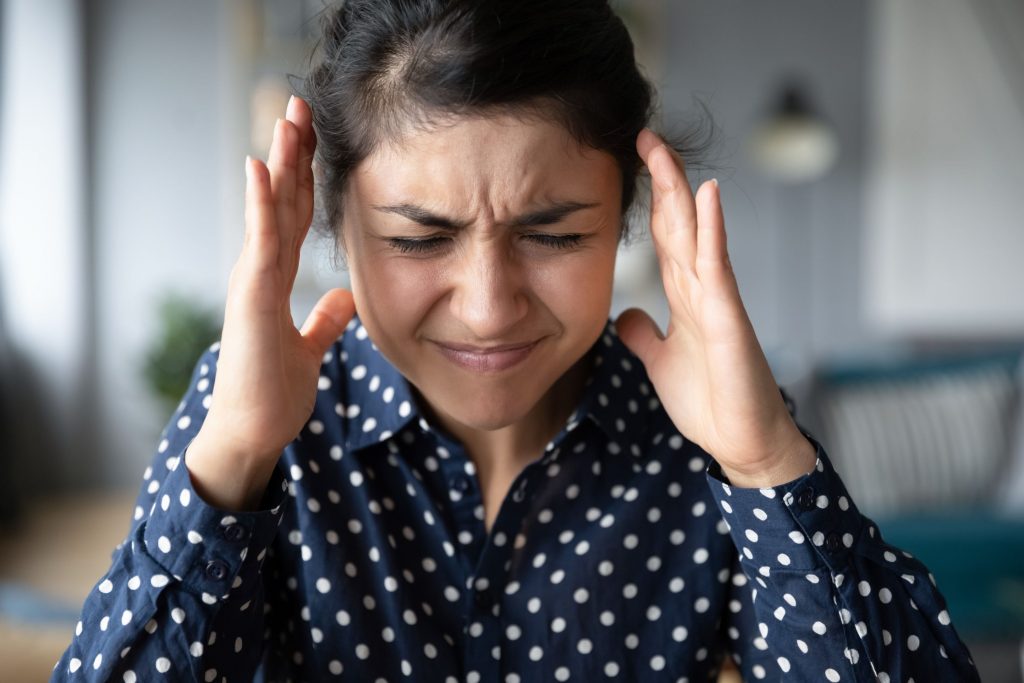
x=715 y=181
x=248 y=163
x=291 y=100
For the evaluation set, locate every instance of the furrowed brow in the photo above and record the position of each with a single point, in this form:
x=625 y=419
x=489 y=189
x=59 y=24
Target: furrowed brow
x=548 y=215
x=552 y=214
x=420 y=215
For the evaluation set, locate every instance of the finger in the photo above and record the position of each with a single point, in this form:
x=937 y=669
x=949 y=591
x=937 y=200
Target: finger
x=713 y=266
x=283 y=164
x=640 y=334
x=300 y=115
x=261 y=244
x=283 y=161
x=328 y=319
x=646 y=141
x=673 y=214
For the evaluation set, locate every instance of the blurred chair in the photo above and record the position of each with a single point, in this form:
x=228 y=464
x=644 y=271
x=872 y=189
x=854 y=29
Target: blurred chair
x=927 y=446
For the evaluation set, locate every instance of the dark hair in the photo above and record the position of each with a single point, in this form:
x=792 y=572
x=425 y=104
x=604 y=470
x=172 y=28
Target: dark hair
x=387 y=64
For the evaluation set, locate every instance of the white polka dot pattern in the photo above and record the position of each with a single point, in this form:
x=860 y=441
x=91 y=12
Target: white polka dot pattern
x=619 y=553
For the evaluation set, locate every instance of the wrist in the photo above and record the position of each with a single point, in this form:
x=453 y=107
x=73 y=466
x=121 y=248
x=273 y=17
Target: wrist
x=227 y=447
x=225 y=477
x=794 y=459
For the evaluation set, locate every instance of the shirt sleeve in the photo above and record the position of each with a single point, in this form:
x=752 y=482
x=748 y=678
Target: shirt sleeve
x=816 y=593
x=183 y=596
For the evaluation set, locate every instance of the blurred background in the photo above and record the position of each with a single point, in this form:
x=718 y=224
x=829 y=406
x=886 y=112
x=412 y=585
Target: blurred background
x=869 y=155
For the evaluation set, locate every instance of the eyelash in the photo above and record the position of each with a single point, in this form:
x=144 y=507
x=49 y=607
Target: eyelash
x=427 y=244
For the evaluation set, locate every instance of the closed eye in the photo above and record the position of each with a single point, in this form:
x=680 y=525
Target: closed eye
x=408 y=246
x=555 y=241
x=428 y=244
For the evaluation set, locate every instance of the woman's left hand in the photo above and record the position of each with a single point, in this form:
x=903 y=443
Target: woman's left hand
x=708 y=369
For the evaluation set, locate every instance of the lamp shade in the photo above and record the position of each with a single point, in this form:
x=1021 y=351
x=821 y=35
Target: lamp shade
x=793 y=145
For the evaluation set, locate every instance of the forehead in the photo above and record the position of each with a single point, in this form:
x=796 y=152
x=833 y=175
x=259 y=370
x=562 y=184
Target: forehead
x=492 y=161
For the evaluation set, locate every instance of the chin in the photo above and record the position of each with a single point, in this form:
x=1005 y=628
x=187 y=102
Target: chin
x=496 y=410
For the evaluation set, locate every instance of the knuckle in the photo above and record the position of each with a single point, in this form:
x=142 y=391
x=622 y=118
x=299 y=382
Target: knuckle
x=672 y=185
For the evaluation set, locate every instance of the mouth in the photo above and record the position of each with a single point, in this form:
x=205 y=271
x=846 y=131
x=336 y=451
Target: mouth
x=491 y=359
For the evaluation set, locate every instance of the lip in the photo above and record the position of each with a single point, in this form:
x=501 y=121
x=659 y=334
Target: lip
x=489 y=359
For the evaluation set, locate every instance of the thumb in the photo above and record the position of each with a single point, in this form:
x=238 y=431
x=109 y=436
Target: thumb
x=639 y=333
x=328 y=319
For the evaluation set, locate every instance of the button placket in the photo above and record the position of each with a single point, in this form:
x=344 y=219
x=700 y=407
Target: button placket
x=462 y=498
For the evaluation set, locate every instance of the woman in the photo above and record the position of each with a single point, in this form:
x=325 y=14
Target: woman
x=484 y=478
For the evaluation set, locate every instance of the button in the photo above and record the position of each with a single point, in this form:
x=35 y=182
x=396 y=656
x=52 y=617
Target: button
x=806 y=498
x=235 y=532
x=460 y=483
x=832 y=543
x=216 y=570
x=519 y=495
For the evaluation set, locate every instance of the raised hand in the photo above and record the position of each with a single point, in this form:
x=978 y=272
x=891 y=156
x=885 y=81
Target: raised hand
x=708 y=368
x=267 y=370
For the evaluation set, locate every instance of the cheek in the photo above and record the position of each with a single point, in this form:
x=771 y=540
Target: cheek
x=391 y=294
x=576 y=288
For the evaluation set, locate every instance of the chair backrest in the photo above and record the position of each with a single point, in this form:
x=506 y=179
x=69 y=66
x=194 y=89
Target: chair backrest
x=920 y=434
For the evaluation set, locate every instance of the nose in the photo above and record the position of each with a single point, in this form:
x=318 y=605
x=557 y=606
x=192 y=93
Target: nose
x=489 y=295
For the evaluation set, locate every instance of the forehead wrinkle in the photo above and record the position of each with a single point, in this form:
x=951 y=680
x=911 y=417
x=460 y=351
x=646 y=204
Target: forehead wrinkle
x=457 y=171
x=486 y=198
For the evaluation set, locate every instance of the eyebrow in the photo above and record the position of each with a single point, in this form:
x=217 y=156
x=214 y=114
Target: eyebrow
x=551 y=214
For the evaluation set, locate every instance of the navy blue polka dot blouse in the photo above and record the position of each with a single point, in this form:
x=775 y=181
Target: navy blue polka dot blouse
x=620 y=553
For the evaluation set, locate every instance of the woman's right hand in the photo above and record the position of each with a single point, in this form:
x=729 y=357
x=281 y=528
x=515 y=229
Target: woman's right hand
x=267 y=372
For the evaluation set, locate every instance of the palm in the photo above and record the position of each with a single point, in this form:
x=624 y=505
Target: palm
x=708 y=368
x=268 y=369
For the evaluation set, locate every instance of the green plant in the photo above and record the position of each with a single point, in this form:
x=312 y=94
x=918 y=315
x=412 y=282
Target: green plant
x=185 y=331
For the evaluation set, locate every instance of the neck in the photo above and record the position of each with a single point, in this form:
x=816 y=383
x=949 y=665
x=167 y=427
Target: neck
x=506 y=451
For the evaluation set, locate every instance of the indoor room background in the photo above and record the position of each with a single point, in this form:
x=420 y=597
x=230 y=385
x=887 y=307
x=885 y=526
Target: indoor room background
x=869 y=158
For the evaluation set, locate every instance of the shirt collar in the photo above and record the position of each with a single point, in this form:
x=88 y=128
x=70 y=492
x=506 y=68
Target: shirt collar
x=378 y=401
x=619 y=397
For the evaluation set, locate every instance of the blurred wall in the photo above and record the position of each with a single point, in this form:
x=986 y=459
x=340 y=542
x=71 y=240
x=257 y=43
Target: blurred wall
x=45 y=242
x=944 y=229
x=796 y=250
x=157 y=75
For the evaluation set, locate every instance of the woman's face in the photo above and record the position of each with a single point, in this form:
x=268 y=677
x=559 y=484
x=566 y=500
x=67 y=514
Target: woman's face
x=490 y=232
